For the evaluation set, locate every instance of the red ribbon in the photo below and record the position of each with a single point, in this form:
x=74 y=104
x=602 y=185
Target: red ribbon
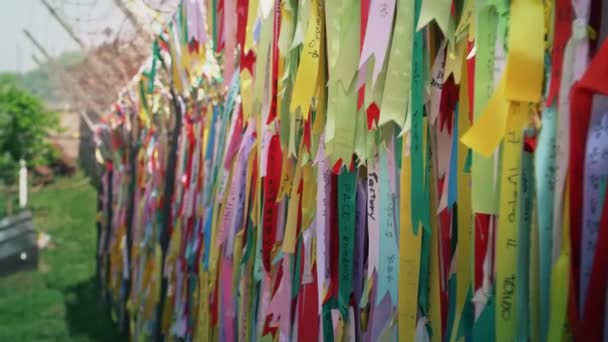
x=563 y=30
x=373 y=114
x=592 y=82
x=248 y=61
x=594 y=308
x=449 y=97
x=471 y=80
x=275 y=61
x=242 y=7
x=271 y=190
x=308 y=319
x=220 y=27
x=276 y=283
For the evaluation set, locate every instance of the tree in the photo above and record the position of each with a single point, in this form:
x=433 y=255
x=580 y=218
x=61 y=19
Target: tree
x=38 y=83
x=24 y=127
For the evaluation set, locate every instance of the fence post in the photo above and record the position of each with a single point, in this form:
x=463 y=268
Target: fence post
x=22 y=184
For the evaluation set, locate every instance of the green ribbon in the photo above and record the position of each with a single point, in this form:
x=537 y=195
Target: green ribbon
x=425 y=256
x=297 y=279
x=151 y=75
x=467 y=317
x=399 y=152
x=468 y=161
x=483 y=197
x=451 y=307
x=250 y=242
x=526 y=204
x=417 y=177
x=346 y=224
x=142 y=96
x=182 y=24
x=484 y=328
x=328 y=326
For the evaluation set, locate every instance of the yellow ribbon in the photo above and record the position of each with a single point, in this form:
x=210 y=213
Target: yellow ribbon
x=409 y=254
x=289 y=239
x=522 y=80
x=306 y=77
x=521 y=83
x=252 y=14
x=508 y=221
x=559 y=277
x=435 y=277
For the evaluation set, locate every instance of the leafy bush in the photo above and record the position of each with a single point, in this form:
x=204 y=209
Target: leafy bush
x=24 y=127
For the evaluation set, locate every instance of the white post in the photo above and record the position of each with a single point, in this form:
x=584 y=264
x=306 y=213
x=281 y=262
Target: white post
x=22 y=184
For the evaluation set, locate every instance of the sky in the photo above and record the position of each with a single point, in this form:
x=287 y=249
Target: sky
x=88 y=18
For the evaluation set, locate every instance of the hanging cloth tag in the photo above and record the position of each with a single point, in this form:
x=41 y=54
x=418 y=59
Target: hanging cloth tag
x=377 y=34
x=484 y=199
x=306 y=77
x=417 y=130
x=346 y=220
x=398 y=78
x=563 y=30
x=388 y=254
x=409 y=254
x=271 y=188
x=560 y=279
x=373 y=216
x=508 y=221
x=322 y=223
x=464 y=246
x=581 y=104
x=575 y=61
x=438 y=10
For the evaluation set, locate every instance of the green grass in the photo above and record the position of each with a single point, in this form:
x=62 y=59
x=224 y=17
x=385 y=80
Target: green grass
x=60 y=300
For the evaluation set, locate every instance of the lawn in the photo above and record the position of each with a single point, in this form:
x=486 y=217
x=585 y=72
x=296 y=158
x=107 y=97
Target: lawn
x=59 y=301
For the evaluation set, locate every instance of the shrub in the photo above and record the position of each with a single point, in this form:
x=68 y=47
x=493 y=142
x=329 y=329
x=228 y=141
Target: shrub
x=24 y=127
